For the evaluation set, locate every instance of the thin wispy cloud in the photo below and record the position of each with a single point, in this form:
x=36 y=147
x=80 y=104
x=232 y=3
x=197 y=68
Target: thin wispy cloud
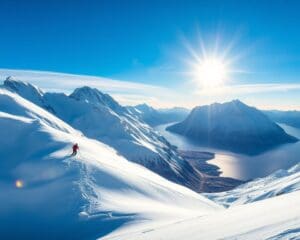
x=242 y=89
x=131 y=93
x=67 y=82
x=126 y=92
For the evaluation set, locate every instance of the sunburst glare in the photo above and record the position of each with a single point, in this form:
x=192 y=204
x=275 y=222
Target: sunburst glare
x=210 y=69
x=210 y=73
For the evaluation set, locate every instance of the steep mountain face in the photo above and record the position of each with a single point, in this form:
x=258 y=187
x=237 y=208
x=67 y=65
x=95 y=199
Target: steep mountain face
x=28 y=91
x=95 y=97
x=291 y=118
x=233 y=126
x=81 y=197
x=155 y=117
x=100 y=117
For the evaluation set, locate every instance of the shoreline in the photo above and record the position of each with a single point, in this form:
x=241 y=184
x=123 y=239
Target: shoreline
x=210 y=174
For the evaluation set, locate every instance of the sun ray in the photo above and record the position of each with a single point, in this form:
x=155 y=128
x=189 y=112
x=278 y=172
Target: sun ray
x=210 y=73
x=211 y=67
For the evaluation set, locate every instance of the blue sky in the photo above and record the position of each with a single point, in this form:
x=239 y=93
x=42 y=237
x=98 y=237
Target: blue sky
x=150 y=42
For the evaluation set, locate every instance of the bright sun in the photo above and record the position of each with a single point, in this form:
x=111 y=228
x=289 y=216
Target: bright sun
x=210 y=73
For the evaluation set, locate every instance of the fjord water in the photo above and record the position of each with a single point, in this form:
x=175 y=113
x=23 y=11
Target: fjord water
x=242 y=166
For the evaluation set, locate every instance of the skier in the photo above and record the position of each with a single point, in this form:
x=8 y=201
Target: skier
x=75 y=149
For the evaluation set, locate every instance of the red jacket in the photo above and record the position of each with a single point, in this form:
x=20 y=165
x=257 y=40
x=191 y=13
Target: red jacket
x=75 y=148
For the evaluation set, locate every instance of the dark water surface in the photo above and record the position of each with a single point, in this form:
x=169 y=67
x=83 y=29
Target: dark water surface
x=241 y=166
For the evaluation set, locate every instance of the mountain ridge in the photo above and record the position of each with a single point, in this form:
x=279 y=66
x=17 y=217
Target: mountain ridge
x=78 y=197
x=291 y=118
x=155 y=117
x=100 y=117
x=99 y=194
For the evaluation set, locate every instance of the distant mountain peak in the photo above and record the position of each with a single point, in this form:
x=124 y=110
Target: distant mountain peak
x=234 y=126
x=144 y=107
x=24 y=89
x=96 y=97
x=9 y=78
x=17 y=85
x=237 y=101
x=233 y=102
x=233 y=106
x=86 y=91
x=154 y=117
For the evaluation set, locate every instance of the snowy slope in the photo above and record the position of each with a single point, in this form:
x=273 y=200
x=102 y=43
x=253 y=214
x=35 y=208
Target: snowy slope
x=233 y=126
x=266 y=208
x=99 y=194
x=99 y=116
x=278 y=183
x=275 y=218
x=82 y=197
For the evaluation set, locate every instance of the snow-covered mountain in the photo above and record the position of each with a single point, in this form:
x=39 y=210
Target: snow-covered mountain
x=100 y=117
x=46 y=194
x=155 y=117
x=26 y=90
x=233 y=126
x=291 y=118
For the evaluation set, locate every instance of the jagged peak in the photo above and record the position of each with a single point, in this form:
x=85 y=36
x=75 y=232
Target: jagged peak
x=216 y=105
x=94 y=96
x=16 y=85
x=237 y=102
x=144 y=107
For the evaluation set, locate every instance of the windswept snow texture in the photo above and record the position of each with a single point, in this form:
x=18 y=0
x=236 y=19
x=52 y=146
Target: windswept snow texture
x=99 y=116
x=232 y=126
x=46 y=194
